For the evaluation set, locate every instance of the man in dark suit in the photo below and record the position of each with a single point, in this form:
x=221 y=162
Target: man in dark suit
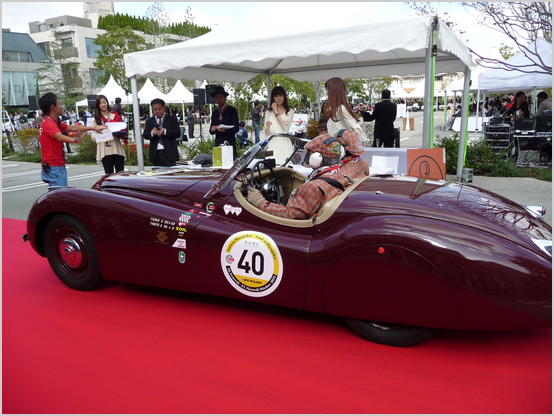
x=384 y=115
x=224 y=115
x=163 y=131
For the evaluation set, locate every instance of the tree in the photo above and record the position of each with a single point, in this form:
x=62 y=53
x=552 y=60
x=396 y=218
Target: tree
x=506 y=51
x=369 y=87
x=61 y=75
x=114 y=44
x=521 y=22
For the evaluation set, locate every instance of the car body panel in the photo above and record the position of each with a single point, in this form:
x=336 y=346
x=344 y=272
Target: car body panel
x=396 y=249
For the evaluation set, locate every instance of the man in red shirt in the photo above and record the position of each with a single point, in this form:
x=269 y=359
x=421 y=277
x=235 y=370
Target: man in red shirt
x=324 y=183
x=52 y=140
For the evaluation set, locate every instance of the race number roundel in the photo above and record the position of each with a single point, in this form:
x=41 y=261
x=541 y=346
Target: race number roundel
x=252 y=263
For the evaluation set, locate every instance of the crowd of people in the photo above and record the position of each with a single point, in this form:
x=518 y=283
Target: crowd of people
x=518 y=105
x=334 y=155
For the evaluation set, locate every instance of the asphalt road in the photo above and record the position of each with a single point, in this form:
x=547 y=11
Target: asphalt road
x=22 y=186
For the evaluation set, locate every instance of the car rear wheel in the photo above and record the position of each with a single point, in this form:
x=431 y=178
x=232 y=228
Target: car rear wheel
x=390 y=334
x=71 y=253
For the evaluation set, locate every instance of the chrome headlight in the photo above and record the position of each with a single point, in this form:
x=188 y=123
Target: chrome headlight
x=544 y=245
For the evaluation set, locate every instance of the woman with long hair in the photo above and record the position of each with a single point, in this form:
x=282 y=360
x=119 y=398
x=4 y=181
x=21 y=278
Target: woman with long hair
x=338 y=113
x=278 y=119
x=111 y=152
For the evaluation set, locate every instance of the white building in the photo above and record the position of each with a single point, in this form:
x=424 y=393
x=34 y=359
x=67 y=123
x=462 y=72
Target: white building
x=78 y=34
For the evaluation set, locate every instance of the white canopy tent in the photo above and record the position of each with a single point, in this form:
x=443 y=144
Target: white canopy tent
x=112 y=90
x=179 y=94
x=500 y=79
x=149 y=92
x=340 y=48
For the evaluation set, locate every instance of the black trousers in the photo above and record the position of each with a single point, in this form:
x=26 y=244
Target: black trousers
x=113 y=161
x=191 y=130
x=162 y=159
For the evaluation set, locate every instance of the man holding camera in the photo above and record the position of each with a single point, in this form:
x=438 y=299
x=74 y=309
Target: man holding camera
x=162 y=130
x=52 y=139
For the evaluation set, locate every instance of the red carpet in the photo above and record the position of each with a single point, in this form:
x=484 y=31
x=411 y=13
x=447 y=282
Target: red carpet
x=131 y=349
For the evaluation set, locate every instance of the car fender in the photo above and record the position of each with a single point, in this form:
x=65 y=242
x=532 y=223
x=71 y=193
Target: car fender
x=487 y=282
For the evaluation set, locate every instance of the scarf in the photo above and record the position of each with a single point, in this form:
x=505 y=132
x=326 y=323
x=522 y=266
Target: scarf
x=221 y=110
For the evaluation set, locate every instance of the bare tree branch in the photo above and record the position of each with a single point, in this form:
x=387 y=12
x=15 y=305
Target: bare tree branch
x=522 y=22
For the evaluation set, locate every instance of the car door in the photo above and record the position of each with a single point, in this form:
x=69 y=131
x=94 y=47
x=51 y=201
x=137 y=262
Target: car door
x=239 y=255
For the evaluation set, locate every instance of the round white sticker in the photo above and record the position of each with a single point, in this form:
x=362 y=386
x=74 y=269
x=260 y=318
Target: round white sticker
x=252 y=263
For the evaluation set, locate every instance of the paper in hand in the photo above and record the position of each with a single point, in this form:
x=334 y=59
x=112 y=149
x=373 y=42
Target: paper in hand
x=105 y=136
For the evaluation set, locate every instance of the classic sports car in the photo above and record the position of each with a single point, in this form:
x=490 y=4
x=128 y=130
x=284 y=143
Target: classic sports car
x=397 y=257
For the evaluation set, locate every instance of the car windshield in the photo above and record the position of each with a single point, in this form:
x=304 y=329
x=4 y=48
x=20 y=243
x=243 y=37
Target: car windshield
x=244 y=161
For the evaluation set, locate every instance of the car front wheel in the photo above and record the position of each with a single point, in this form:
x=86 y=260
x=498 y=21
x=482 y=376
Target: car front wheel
x=390 y=334
x=71 y=253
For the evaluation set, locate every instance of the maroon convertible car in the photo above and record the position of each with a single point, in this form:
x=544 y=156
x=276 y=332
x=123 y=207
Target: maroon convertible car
x=397 y=257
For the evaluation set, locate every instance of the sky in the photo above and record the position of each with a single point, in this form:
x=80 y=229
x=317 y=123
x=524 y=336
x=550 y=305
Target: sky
x=17 y=15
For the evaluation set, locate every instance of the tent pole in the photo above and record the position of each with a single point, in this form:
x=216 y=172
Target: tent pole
x=444 y=110
x=136 y=124
x=477 y=108
x=483 y=113
x=463 y=128
x=268 y=82
x=429 y=84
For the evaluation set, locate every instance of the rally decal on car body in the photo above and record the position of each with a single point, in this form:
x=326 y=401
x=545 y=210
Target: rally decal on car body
x=180 y=243
x=252 y=263
x=231 y=209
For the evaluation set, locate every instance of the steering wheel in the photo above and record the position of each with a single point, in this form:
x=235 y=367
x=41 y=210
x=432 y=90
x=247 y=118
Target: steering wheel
x=271 y=190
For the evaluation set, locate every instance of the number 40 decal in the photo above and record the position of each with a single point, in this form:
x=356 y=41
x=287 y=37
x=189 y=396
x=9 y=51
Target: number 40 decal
x=257 y=263
x=252 y=263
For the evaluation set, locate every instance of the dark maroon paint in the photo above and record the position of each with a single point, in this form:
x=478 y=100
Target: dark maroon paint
x=398 y=249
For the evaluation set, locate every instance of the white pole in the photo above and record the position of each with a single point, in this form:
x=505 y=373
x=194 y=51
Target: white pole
x=463 y=127
x=136 y=124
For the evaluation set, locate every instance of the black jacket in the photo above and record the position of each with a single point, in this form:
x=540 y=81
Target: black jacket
x=172 y=132
x=384 y=115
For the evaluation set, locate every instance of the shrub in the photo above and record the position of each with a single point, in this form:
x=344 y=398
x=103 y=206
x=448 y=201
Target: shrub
x=86 y=151
x=204 y=146
x=7 y=147
x=27 y=141
x=313 y=130
x=479 y=156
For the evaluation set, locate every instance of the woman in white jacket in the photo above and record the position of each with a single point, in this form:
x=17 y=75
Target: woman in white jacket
x=338 y=113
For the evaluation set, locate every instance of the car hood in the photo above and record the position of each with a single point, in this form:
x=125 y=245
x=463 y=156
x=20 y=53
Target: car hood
x=162 y=181
x=454 y=202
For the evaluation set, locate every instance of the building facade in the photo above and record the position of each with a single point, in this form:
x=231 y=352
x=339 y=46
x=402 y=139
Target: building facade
x=21 y=59
x=78 y=36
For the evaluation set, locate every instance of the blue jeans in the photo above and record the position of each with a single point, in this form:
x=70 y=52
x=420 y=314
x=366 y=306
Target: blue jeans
x=256 y=132
x=56 y=178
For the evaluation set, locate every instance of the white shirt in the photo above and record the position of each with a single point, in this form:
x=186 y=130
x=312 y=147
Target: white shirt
x=345 y=121
x=158 y=122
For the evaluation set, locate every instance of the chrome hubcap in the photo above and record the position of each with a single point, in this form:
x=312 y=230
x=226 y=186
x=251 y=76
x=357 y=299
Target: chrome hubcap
x=70 y=252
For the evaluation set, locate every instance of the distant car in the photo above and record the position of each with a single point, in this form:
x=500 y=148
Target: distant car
x=397 y=257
